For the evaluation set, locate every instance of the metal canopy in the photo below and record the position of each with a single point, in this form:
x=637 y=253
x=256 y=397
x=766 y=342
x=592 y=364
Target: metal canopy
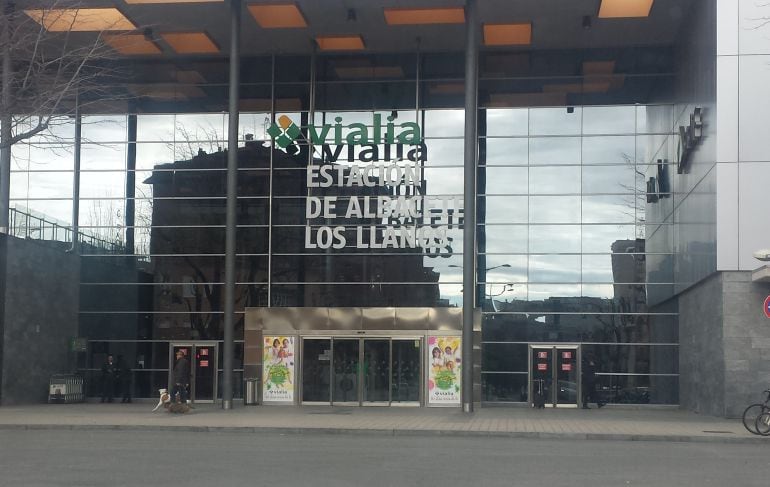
x=557 y=24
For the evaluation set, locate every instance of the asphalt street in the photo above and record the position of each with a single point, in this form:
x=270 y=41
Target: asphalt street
x=135 y=458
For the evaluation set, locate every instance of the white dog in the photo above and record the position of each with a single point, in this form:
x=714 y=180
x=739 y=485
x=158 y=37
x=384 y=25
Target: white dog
x=165 y=399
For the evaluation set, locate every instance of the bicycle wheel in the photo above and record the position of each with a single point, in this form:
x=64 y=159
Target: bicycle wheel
x=762 y=424
x=750 y=416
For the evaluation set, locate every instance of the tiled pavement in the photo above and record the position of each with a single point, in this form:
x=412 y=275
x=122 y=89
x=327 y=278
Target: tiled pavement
x=607 y=423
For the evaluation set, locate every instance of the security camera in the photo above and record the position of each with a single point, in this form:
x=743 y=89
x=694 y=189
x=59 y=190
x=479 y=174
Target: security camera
x=763 y=255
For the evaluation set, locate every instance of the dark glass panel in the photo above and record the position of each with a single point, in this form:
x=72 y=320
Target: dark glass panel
x=206 y=240
x=293 y=240
x=291 y=97
x=504 y=387
x=622 y=389
x=363 y=269
x=367 y=295
x=610 y=328
x=504 y=357
x=287 y=68
x=352 y=96
x=634 y=359
x=442 y=65
x=166 y=268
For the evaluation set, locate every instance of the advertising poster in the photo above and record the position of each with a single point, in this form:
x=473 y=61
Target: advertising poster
x=278 y=369
x=444 y=370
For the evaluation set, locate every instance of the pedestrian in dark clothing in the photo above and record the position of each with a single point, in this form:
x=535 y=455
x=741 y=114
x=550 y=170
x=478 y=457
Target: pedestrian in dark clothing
x=181 y=376
x=124 y=379
x=589 y=384
x=109 y=377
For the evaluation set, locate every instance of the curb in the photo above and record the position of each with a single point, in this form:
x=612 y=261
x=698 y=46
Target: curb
x=391 y=432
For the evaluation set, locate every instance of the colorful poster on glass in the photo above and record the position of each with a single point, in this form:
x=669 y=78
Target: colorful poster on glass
x=278 y=369
x=444 y=370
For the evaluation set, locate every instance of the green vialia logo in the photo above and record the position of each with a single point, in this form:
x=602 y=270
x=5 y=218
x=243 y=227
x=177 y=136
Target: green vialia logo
x=285 y=133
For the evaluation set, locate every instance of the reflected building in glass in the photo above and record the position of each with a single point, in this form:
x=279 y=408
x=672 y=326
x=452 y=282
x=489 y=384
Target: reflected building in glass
x=607 y=216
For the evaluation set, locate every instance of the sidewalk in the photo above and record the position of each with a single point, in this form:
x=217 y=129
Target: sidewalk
x=606 y=424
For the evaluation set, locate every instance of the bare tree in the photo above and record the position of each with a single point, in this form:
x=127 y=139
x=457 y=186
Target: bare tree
x=47 y=72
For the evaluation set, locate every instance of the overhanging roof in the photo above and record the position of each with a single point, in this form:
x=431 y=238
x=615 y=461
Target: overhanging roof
x=557 y=24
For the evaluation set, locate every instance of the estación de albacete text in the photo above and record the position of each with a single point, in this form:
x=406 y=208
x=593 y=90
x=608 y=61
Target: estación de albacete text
x=458 y=206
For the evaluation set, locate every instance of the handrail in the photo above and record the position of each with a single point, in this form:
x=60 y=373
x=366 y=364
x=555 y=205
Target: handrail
x=39 y=227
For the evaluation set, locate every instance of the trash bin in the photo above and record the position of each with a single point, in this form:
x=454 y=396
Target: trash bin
x=251 y=392
x=66 y=389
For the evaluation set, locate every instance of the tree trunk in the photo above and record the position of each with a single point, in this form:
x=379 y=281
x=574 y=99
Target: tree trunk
x=5 y=118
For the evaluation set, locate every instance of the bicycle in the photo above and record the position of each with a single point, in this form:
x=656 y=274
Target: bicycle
x=756 y=417
x=762 y=424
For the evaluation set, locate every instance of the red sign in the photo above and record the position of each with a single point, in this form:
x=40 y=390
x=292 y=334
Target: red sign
x=204 y=363
x=542 y=366
x=204 y=352
x=566 y=367
x=542 y=354
x=767 y=306
x=566 y=355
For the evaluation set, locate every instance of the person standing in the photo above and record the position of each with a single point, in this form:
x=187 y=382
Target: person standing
x=124 y=379
x=181 y=376
x=109 y=377
x=589 y=384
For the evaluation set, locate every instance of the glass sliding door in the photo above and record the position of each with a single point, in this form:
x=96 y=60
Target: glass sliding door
x=554 y=375
x=376 y=371
x=316 y=370
x=361 y=371
x=407 y=372
x=345 y=353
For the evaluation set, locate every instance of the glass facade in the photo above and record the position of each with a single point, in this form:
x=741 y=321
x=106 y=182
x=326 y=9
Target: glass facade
x=562 y=189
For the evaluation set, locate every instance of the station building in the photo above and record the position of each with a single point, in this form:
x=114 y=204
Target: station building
x=612 y=153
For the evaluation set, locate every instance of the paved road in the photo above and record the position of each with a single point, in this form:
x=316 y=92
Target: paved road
x=133 y=458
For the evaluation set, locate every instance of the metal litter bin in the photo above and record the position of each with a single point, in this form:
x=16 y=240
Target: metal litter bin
x=251 y=392
x=66 y=389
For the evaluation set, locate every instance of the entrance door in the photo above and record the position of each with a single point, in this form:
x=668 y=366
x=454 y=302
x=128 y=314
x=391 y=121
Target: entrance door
x=376 y=372
x=405 y=387
x=361 y=371
x=203 y=369
x=554 y=373
x=345 y=356
x=316 y=370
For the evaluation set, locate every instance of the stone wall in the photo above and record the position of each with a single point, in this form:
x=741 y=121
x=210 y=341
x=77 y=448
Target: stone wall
x=40 y=317
x=746 y=341
x=724 y=352
x=701 y=359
